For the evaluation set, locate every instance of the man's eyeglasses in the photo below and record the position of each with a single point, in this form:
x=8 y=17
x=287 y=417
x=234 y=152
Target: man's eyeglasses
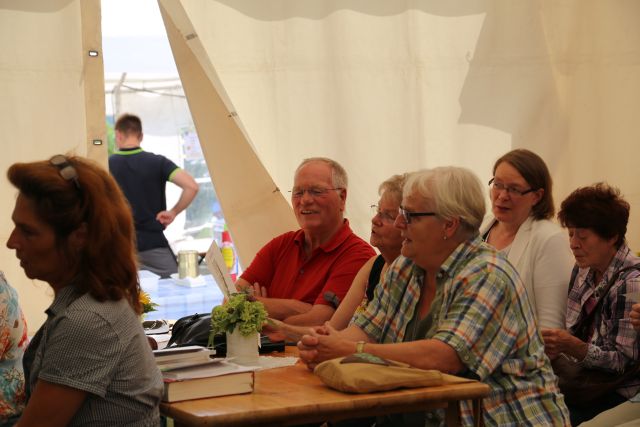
x=297 y=193
x=385 y=216
x=66 y=170
x=511 y=191
x=408 y=215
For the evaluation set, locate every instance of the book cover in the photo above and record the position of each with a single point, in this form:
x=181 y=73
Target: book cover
x=181 y=364
x=208 y=381
x=216 y=367
x=185 y=351
x=182 y=354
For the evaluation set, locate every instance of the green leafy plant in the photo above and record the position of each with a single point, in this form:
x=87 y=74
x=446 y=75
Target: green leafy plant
x=240 y=310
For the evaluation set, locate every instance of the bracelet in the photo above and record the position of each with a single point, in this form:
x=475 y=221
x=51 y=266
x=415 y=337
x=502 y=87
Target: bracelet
x=360 y=346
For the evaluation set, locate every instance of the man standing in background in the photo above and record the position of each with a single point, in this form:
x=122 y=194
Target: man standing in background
x=142 y=176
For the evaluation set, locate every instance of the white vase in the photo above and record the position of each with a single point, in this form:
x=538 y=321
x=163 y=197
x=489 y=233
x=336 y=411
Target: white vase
x=243 y=349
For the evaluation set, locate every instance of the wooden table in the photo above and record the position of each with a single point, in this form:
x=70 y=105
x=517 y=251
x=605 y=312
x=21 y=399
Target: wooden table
x=293 y=395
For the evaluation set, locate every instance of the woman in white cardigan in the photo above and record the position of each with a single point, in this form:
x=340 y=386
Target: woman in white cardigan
x=520 y=227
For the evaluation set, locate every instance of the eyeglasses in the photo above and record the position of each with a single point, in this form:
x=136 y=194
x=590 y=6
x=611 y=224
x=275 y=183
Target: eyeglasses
x=314 y=192
x=387 y=216
x=408 y=215
x=66 y=170
x=511 y=191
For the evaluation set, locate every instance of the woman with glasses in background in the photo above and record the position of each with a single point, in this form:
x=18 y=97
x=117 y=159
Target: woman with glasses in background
x=520 y=227
x=90 y=362
x=386 y=238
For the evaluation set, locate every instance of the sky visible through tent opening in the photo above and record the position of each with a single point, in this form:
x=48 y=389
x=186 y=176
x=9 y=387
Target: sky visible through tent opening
x=134 y=39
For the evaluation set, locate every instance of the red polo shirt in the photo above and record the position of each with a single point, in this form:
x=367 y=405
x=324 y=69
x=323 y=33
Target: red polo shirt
x=280 y=266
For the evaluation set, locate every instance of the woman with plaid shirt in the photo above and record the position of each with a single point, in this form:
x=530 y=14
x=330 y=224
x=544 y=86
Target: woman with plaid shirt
x=452 y=302
x=596 y=217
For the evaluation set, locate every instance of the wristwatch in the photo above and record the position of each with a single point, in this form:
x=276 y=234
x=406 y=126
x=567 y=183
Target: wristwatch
x=360 y=346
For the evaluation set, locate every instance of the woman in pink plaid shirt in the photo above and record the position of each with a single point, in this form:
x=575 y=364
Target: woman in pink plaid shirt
x=596 y=218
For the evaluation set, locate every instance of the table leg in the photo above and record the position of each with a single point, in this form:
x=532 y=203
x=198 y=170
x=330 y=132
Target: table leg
x=452 y=415
x=478 y=420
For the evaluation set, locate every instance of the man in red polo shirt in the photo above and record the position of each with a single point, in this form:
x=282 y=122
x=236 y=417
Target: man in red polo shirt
x=301 y=276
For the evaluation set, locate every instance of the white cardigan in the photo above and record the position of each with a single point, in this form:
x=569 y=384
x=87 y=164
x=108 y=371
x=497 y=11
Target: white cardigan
x=540 y=253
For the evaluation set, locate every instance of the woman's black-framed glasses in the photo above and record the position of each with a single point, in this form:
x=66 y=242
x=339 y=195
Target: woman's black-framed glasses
x=511 y=191
x=408 y=215
x=66 y=169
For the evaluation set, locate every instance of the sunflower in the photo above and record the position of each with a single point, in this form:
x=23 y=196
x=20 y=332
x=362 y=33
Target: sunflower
x=147 y=304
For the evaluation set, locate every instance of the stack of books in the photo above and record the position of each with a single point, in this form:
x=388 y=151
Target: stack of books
x=182 y=357
x=190 y=373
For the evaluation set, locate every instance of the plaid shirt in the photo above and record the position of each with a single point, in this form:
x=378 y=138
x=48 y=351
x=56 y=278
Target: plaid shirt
x=614 y=343
x=482 y=312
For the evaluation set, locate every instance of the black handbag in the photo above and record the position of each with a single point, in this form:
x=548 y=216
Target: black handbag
x=583 y=386
x=195 y=329
x=191 y=330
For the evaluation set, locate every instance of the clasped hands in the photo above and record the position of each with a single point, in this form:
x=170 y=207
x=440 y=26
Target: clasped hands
x=323 y=343
x=558 y=341
x=320 y=343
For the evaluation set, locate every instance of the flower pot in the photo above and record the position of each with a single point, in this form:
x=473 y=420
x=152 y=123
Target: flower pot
x=243 y=349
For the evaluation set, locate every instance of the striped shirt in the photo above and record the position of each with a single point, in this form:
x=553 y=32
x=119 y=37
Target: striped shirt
x=481 y=310
x=614 y=343
x=100 y=348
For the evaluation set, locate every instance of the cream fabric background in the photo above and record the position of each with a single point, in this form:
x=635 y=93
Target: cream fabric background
x=386 y=87
x=51 y=101
x=253 y=206
x=381 y=86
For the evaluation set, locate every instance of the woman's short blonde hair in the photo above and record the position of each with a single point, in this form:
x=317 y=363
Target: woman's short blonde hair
x=455 y=192
x=392 y=187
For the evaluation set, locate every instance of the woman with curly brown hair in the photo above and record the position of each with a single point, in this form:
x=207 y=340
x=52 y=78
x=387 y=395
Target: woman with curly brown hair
x=599 y=334
x=89 y=363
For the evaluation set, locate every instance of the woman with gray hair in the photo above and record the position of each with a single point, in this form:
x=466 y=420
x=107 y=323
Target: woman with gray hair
x=456 y=299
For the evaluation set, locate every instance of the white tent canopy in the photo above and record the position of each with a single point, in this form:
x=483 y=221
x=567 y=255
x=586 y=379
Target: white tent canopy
x=387 y=87
x=383 y=87
x=51 y=101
